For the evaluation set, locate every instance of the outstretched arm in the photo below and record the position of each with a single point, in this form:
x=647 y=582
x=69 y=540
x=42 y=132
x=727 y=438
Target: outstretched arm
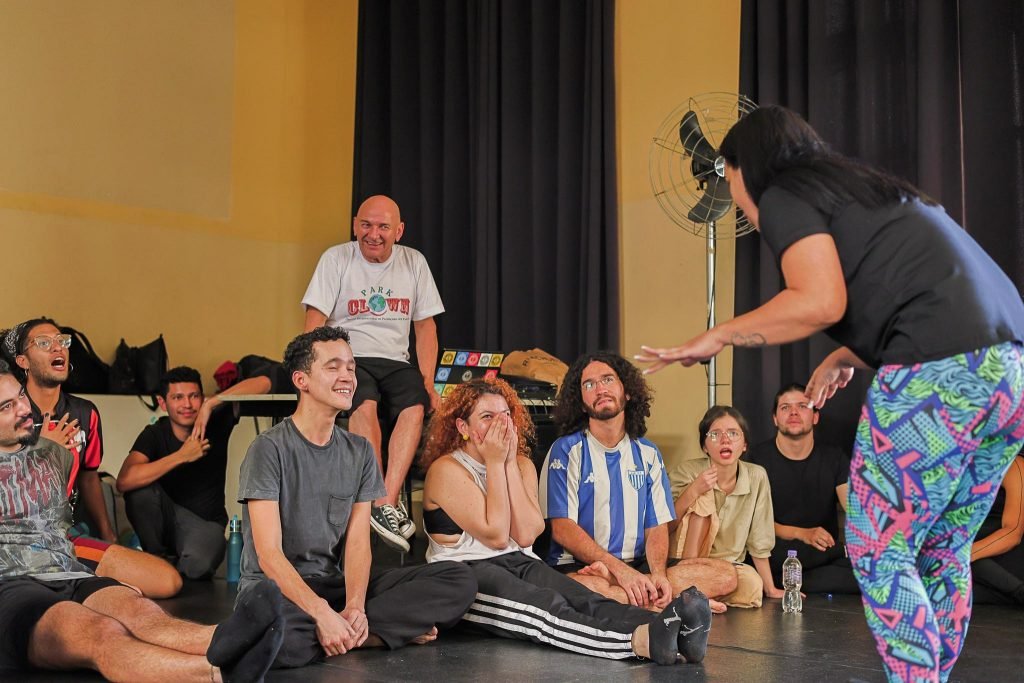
x=814 y=299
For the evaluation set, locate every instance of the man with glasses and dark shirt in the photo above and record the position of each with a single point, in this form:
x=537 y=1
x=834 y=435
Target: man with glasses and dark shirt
x=38 y=354
x=807 y=480
x=41 y=354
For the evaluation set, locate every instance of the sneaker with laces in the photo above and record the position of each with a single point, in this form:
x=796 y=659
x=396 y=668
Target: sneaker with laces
x=406 y=526
x=385 y=521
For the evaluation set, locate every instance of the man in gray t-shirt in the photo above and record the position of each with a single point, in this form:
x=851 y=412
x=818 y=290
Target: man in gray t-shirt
x=307 y=487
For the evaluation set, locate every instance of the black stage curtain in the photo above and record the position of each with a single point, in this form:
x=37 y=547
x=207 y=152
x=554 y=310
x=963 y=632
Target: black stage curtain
x=492 y=125
x=928 y=90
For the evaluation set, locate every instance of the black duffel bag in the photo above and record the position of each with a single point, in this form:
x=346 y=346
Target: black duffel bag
x=89 y=373
x=138 y=369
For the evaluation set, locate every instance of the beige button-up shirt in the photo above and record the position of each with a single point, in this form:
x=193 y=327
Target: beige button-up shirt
x=746 y=518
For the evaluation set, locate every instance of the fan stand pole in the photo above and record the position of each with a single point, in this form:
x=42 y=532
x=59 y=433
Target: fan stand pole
x=712 y=366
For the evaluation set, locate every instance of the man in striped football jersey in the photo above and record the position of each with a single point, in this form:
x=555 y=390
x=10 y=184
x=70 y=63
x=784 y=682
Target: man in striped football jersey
x=605 y=490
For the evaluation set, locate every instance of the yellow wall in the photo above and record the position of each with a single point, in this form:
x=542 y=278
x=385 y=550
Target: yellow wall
x=665 y=52
x=174 y=167
x=177 y=166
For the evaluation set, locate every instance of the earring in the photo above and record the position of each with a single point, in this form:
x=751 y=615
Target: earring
x=465 y=437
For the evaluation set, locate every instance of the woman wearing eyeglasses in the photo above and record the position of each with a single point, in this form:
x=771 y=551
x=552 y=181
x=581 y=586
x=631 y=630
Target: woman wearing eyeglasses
x=724 y=506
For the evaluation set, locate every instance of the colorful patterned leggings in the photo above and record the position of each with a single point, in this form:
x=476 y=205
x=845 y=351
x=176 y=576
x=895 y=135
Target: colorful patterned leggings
x=933 y=443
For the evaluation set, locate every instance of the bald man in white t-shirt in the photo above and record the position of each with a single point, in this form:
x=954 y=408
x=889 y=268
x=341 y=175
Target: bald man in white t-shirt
x=378 y=290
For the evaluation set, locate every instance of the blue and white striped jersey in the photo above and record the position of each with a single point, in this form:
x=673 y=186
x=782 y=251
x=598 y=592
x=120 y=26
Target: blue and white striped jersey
x=614 y=495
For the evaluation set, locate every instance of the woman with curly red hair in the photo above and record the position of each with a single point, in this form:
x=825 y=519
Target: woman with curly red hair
x=480 y=507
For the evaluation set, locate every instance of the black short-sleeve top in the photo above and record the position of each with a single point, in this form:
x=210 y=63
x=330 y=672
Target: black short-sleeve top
x=919 y=288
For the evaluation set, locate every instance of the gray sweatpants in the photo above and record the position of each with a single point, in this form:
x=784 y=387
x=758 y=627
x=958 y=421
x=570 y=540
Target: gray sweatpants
x=166 y=528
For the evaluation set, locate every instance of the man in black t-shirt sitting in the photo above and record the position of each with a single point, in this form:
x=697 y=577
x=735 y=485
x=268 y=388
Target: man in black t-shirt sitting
x=807 y=480
x=174 y=480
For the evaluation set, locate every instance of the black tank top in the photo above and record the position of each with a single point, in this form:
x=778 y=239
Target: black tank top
x=438 y=522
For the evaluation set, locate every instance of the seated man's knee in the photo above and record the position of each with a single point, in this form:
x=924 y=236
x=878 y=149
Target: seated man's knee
x=200 y=559
x=152 y=575
x=57 y=641
x=143 y=498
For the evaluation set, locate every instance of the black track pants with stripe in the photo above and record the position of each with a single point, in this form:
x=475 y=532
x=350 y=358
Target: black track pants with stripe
x=520 y=597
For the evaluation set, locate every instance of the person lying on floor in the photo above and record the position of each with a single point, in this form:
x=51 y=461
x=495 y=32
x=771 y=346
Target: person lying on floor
x=604 y=488
x=306 y=487
x=724 y=506
x=56 y=614
x=37 y=352
x=480 y=507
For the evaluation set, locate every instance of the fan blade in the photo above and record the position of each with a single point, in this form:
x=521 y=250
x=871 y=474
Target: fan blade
x=715 y=203
x=694 y=142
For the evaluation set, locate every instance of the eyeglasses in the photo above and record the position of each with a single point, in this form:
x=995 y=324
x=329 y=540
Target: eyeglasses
x=45 y=343
x=716 y=435
x=793 y=407
x=606 y=381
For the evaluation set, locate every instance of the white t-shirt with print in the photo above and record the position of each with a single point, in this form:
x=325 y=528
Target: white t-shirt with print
x=375 y=302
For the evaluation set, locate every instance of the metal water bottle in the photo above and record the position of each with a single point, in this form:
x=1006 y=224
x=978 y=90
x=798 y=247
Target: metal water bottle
x=234 y=550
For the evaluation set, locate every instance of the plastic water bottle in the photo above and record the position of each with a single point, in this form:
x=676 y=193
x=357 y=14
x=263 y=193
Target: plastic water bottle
x=234 y=550
x=792 y=579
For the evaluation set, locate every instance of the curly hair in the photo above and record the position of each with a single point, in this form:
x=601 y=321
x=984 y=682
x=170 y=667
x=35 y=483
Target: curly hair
x=443 y=436
x=570 y=413
x=298 y=356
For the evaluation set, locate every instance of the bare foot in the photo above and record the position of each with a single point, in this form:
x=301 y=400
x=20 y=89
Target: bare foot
x=598 y=569
x=717 y=607
x=426 y=637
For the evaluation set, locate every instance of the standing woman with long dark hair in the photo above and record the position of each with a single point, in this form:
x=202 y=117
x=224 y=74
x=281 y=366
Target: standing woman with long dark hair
x=883 y=270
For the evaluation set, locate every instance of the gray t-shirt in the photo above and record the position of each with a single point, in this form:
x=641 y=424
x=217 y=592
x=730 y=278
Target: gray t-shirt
x=315 y=487
x=35 y=512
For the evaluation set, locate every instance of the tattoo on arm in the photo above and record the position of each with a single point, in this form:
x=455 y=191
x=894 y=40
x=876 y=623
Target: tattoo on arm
x=752 y=339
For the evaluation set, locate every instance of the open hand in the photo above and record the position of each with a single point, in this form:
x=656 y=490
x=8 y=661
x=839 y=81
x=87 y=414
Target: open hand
x=700 y=349
x=63 y=431
x=827 y=379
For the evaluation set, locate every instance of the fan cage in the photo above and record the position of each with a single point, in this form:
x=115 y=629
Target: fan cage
x=673 y=182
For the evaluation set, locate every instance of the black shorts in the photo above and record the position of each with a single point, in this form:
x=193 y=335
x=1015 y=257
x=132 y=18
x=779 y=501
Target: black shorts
x=394 y=385
x=639 y=564
x=23 y=602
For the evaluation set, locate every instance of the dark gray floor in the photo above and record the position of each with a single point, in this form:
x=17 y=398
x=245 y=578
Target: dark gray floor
x=829 y=641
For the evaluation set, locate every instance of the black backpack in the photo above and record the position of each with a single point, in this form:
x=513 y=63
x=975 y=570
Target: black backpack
x=89 y=374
